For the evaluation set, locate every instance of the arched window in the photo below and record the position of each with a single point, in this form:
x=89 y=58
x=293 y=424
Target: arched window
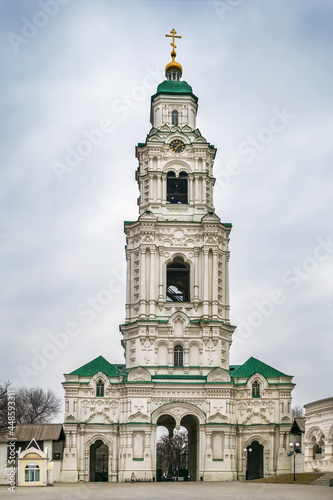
x=174 y=116
x=178 y=281
x=177 y=188
x=178 y=355
x=100 y=388
x=255 y=389
x=31 y=473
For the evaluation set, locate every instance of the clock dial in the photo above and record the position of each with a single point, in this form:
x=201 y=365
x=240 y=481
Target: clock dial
x=177 y=146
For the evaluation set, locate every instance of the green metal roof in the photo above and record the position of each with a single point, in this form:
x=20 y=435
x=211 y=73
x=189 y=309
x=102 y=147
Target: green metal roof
x=252 y=366
x=99 y=364
x=175 y=87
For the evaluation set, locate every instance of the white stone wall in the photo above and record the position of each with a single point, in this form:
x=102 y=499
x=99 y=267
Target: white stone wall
x=319 y=431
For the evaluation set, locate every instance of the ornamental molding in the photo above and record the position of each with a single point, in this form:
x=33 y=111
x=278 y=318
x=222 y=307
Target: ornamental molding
x=178 y=410
x=256 y=412
x=105 y=438
x=262 y=439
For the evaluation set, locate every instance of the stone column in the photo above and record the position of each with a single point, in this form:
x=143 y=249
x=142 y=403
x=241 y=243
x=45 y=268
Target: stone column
x=142 y=281
x=67 y=439
x=205 y=283
x=214 y=284
x=190 y=190
x=226 y=287
x=163 y=189
x=128 y=284
x=209 y=451
x=161 y=297
x=151 y=187
x=196 y=189
x=152 y=283
x=203 y=189
x=196 y=275
x=82 y=470
x=186 y=356
x=159 y=188
x=170 y=351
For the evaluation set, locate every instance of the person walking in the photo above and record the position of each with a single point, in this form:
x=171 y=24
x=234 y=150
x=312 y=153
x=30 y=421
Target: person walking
x=133 y=478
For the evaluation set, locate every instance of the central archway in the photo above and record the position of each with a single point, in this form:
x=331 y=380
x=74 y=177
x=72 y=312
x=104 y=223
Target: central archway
x=177 y=415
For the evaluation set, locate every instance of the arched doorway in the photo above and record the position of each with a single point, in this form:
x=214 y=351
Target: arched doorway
x=177 y=450
x=254 y=460
x=99 y=459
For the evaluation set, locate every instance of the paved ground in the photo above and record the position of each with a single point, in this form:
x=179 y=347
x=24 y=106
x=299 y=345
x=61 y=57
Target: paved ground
x=173 y=491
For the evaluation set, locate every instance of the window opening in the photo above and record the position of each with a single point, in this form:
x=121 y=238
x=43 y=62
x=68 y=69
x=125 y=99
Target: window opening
x=255 y=389
x=177 y=188
x=178 y=355
x=31 y=473
x=178 y=282
x=100 y=388
x=174 y=116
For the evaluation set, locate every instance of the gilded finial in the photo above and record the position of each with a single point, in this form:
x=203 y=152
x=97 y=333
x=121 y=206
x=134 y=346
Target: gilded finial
x=173 y=65
x=173 y=45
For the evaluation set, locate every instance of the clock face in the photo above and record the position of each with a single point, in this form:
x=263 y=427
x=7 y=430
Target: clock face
x=177 y=146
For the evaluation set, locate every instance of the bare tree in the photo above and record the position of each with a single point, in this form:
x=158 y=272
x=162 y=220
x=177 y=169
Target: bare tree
x=172 y=453
x=36 y=406
x=297 y=411
x=32 y=406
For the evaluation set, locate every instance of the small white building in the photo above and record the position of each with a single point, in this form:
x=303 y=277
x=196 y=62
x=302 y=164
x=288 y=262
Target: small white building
x=39 y=447
x=318 y=441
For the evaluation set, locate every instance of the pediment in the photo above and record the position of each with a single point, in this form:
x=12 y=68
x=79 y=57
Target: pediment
x=218 y=375
x=211 y=216
x=138 y=417
x=164 y=128
x=70 y=419
x=155 y=138
x=148 y=216
x=218 y=418
x=139 y=374
x=99 y=418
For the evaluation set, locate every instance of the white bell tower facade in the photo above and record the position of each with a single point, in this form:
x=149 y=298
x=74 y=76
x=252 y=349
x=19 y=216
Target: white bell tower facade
x=177 y=333
x=177 y=251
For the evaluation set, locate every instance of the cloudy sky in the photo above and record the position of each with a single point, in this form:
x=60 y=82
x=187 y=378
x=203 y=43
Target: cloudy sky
x=77 y=77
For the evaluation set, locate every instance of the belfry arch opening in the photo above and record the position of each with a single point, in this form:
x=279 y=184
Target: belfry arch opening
x=177 y=449
x=177 y=187
x=99 y=459
x=178 y=281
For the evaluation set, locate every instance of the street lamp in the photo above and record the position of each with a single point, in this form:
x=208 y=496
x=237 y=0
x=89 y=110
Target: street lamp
x=295 y=447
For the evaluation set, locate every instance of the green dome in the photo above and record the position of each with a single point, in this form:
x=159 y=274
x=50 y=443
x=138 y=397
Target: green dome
x=174 y=87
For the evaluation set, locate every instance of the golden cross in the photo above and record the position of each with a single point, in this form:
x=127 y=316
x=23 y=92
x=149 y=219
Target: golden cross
x=173 y=36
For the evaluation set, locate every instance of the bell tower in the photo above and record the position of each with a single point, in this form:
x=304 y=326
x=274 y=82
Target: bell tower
x=177 y=290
